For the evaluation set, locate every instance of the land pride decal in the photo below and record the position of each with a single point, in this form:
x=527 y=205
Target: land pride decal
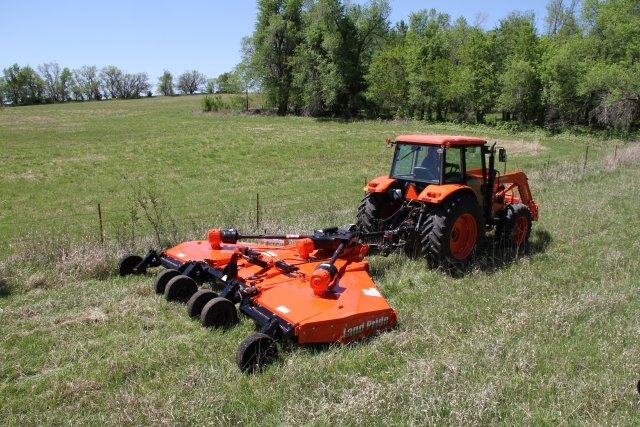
x=379 y=323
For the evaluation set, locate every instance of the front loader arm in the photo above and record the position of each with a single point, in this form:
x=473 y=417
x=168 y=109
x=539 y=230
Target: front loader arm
x=518 y=180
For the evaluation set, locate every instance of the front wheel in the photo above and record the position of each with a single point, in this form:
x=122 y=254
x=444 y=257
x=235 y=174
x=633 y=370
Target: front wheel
x=453 y=232
x=163 y=278
x=180 y=288
x=198 y=300
x=514 y=227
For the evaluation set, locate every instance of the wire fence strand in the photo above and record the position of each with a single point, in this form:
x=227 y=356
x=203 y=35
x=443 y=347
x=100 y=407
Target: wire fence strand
x=270 y=210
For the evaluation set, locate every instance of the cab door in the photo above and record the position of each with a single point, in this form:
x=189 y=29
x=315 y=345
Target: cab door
x=474 y=171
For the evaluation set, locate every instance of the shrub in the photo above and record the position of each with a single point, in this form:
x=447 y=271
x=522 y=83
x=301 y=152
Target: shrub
x=238 y=103
x=212 y=103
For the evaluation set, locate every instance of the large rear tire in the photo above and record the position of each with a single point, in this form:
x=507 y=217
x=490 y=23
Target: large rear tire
x=514 y=227
x=369 y=218
x=453 y=232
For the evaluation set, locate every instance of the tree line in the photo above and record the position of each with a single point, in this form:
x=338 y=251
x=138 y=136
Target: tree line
x=51 y=83
x=342 y=59
x=339 y=58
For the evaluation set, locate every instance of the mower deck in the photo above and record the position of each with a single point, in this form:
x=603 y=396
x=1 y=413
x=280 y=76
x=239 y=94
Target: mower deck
x=353 y=309
x=317 y=290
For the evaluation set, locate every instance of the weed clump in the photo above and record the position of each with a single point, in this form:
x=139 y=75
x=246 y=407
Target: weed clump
x=85 y=262
x=4 y=280
x=36 y=281
x=215 y=103
x=212 y=103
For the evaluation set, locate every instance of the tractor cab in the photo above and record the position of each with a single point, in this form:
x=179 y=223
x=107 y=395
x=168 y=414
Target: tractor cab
x=426 y=160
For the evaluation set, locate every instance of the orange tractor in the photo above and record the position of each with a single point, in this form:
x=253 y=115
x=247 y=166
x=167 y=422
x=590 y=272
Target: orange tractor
x=443 y=194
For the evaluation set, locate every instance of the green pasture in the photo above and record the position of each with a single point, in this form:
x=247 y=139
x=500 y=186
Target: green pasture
x=547 y=337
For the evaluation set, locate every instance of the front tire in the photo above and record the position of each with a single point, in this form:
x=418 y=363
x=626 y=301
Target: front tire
x=514 y=227
x=198 y=300
x=163 y=278
x=180 y=288
x=453 y=232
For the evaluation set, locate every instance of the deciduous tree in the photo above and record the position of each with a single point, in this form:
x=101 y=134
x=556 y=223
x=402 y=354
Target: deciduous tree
x=87 y=83
x=276 y=36
x=191 y=81
x=165 y=84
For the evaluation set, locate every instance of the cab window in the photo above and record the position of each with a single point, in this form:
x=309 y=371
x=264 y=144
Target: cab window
x=473 y=166
x=404 y=160
x=473 y=159
x=453 y=165
x=417 y=163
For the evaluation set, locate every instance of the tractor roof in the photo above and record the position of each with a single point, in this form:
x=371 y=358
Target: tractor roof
x=455 y=141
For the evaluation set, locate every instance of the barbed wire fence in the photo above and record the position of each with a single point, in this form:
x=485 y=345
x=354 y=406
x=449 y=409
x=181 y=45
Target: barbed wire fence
x=286 y=211
x=261 y=211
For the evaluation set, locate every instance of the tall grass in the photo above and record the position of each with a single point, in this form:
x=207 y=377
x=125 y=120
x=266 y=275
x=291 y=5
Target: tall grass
x=545 y=337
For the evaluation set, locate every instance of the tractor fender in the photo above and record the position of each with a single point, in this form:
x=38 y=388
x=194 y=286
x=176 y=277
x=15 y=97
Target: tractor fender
x=438 y=193
x=379 y=184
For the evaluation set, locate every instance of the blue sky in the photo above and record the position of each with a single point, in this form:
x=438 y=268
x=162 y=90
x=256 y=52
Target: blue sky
x=149 y=36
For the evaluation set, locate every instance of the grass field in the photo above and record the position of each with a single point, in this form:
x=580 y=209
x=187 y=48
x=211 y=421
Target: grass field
x=548 y=338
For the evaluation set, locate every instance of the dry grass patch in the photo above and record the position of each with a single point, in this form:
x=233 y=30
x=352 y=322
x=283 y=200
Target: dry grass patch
x=626 y=156
x=93 y=315
x=17 y=119
x=37 y=281
x=85 y=262
x=521 y=147
x=28 y=175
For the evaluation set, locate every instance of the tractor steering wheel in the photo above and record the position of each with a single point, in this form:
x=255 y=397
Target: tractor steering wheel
x=452 y=168
x=424 y=173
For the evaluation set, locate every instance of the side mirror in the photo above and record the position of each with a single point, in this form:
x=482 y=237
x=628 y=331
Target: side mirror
x=390 y=143
x=502 y=155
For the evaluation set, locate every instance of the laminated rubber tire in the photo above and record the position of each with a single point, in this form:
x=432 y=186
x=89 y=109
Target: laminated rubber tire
x=256 y=352
x=198 y=300
x=180 y=288
x=127 y=264
x=219 y=313
x=163 y=278
x=453 y=232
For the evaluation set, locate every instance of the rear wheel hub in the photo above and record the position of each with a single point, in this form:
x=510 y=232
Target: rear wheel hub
x=464 y=235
